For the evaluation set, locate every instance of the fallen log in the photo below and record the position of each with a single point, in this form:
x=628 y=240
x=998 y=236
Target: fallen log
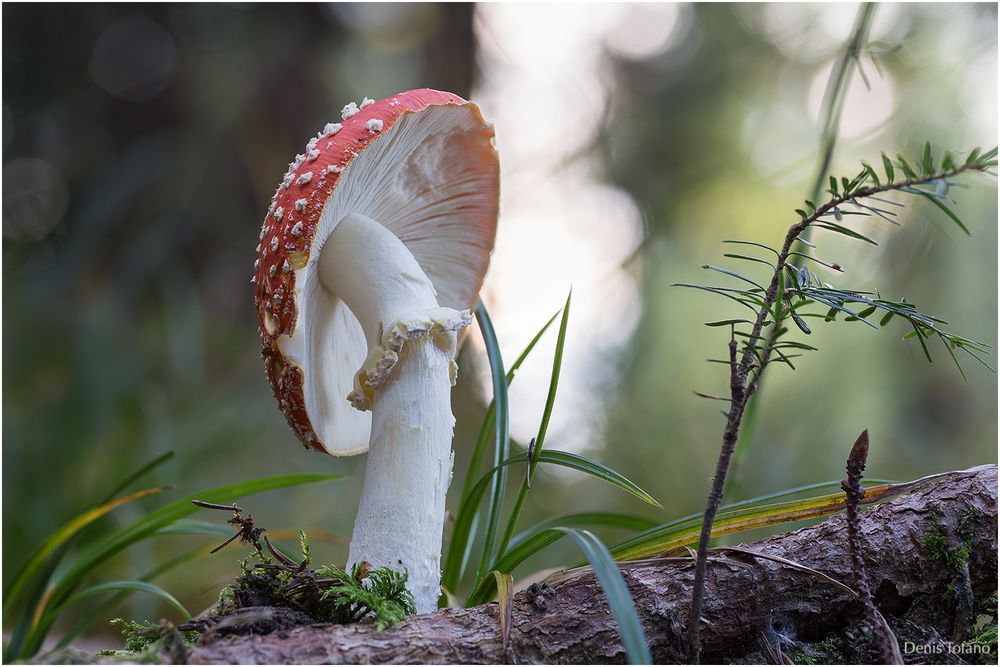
x=931 y=557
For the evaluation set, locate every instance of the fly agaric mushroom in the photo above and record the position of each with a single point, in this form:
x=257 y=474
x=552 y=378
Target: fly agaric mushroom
x=371 y=255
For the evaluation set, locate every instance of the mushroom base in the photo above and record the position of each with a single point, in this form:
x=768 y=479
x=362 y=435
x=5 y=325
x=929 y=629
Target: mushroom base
x=400 y=519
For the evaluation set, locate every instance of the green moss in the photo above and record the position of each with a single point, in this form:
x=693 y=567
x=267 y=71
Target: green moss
x=381 y=593
x=987 y=637
x=818 y=653
x=939 y=547
x=328 y=593
x=226 y=603
x=138 y=635
x=963 y=522
x=985 y=632
x=800 y=657
x=825 y=646
x=144 y=639
x=304 y=547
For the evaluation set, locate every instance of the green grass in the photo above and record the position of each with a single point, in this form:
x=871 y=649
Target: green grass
x=48 y=582
x=495 y=552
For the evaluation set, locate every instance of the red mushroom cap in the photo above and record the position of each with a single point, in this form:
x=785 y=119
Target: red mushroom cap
x=423 y=164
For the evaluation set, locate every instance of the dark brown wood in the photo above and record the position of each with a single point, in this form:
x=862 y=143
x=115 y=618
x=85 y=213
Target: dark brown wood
x=568 y=621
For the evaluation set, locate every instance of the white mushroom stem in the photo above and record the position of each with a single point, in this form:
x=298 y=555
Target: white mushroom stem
x=401 y=516
x=406 y=382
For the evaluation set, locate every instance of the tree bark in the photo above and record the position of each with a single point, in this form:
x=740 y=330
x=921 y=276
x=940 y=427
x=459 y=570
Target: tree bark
x=913 y=552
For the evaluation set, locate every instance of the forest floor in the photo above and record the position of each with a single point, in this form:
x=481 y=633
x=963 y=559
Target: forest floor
x=931 y=556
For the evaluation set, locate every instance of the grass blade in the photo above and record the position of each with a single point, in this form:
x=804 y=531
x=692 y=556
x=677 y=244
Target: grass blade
x=105 y=607
x=193 y=527
x=478 y=451
x=66 y=532
x=131 y=586
x=37 y=593
x=598 y=470
x=502 y=447
x=106 y=547
x=619 y=599
x=543 y=426
x=141 y=472
x=180 y=509
x=505 y=598
x=460 y=543
x=556 y=457
x=63 y=534
x=587 y=519
x=784 y=493
x=682 y=532
x=515 y=555
x=550 y=398
x=578 y=463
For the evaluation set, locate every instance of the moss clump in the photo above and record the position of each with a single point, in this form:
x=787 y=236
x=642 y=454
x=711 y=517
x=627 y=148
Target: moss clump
x=800 y=657
x=327 y=594
x=816 y=653
x=226 y=602
x=144 y=640
x=985 y=632
x=940 y=548
x=384 y=596
x=297 y=594
x=987 y=636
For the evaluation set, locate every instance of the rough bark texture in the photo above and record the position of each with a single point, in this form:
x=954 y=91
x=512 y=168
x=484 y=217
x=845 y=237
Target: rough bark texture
x=914 y=555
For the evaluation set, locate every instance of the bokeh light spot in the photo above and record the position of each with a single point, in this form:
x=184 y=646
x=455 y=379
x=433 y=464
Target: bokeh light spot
x=34 y=199
x=134 y=59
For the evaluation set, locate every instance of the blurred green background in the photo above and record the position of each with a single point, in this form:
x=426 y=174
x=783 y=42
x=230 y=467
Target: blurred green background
x=141 y=145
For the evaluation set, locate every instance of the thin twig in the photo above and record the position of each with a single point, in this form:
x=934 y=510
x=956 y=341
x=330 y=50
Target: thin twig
x=282 y=558
x=887 y=644
x=833 y=97
x=216 y=506
x=735 y=415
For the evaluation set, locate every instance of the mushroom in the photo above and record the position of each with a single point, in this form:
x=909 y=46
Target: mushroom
x=371 y=255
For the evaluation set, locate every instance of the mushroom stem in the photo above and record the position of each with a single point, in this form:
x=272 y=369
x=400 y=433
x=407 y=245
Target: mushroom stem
x=406 y=383
x=400 y=518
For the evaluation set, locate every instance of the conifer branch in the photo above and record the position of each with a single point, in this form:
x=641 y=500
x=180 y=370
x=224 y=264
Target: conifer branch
x=746 y=370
